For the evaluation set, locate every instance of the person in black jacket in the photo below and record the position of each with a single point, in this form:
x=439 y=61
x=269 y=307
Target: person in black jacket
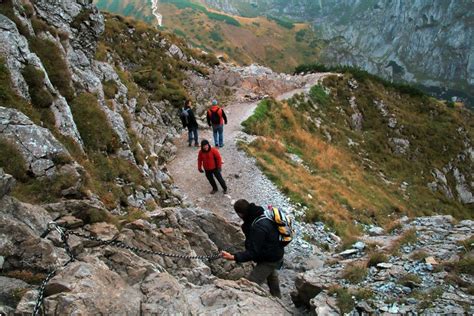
x=262 y=245
x=189 y=120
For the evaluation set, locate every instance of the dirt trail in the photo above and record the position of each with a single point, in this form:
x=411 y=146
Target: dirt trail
x=240 y=172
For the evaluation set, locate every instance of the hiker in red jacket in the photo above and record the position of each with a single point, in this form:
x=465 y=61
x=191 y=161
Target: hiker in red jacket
x=216 y=118
x=211 y=160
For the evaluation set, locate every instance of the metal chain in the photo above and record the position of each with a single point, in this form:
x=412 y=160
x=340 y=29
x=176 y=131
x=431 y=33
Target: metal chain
x=120 y=244
x=52 y=273
x=64 y=233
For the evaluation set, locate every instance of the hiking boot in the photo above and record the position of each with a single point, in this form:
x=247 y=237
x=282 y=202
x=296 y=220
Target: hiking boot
x=221 y=146
x=225 y=191
x=195 y=145
x=213 y=191
x=189 y=145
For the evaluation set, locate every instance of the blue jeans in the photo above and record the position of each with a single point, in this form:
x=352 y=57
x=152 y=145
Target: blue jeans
x=218 y=133
x=193 y=134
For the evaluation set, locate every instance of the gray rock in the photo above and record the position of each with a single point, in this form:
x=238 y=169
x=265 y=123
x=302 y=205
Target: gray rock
x=375 y=231
x=36 y=144
x=324 y=304
x=10 y=290
x=399 y=146
x=348 y=252
x=465 y=195
x=384 y=265
x=7 y=182
x=359 y=245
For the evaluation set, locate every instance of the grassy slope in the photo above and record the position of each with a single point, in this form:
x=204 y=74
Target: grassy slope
x=255 y=40
x=340 y=185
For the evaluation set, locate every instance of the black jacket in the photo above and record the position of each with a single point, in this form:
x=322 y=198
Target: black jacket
x=191 y=122
x=261 y=239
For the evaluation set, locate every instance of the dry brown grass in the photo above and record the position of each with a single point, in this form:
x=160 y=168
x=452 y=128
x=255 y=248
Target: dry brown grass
x=336 y=188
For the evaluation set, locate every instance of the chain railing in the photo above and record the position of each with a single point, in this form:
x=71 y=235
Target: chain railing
x=65 y=233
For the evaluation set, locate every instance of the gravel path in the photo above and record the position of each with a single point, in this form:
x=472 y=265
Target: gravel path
x=243 y=178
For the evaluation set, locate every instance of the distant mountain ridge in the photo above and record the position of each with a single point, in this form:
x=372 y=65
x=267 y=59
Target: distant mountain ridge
x=425 y=42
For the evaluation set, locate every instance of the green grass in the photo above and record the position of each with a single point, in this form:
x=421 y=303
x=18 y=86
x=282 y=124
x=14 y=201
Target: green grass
x=12 y=161
x=354 y=274
x=93 y=124
x=282 y=22
x=318 y=95
x=261 y=113
x=55 y=65
x=10 y=99
x=184 y=4
x=110 y=89
x=363 y=76
x=376 y=258
x=40 y=97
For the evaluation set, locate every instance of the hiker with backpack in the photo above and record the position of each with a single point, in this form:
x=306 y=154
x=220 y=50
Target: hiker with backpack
x=189 y=120
x=266 y=235
x=217 y=118
x=210 y=159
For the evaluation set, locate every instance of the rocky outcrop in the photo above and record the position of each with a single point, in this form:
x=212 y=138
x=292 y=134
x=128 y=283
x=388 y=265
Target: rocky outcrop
x=105 y=279
x=437 y=241
x=16 y=51
x=37 y=145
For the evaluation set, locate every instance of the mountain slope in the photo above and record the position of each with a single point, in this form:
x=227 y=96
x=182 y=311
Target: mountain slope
x=425 y=42
x=355 y=150
x=243 y=40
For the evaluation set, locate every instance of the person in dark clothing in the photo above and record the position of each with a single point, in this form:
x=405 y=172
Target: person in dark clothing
x=189 y=120
x=216 y=118
x=262 y=245
x=210 y=159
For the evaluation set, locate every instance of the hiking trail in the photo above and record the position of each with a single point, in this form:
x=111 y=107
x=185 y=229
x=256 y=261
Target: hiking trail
x=243 y=178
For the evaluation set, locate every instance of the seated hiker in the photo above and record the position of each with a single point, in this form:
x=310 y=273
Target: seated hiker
x=210 y=158
x=262 y=245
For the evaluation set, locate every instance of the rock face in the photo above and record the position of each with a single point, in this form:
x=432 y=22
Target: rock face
x=105 y=279
x=37 y=145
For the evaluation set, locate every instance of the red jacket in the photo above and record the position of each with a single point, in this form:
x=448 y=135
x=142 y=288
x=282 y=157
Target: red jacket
x=210 y=160
x=220 y=112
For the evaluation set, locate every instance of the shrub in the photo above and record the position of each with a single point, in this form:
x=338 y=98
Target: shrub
x=318 y=95
x=376 y=258
x=466 y=265
x=286 y=24
x=345 y=303
x=362 y=76
x=40 y=97
x=409 y=280
x=80 y=18
x=110 y=89
x=419 y=255
x=9 y=98
x=93 y=124
x=44 y=190
x=55 y=65
x=12 y=161
x=354 y=273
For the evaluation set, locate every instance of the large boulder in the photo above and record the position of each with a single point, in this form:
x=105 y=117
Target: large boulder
x=21 y=226
x=85 y=288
